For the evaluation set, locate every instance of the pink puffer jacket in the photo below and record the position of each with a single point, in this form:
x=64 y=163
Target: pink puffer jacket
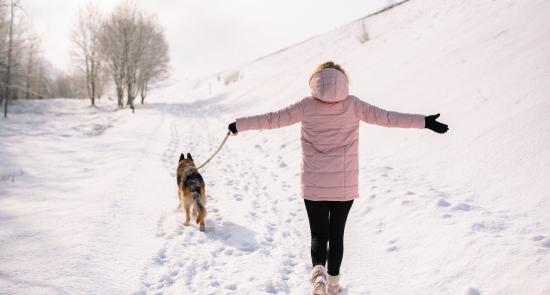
x=330 y=134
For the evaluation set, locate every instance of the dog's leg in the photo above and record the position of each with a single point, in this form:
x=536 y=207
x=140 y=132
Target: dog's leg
x=201 y=216
x=180 y=195
x=200 y=220
x=202 y=213
x=187 y=206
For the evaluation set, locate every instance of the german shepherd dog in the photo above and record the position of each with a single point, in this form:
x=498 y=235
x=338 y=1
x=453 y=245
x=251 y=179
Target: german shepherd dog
x=191 y=190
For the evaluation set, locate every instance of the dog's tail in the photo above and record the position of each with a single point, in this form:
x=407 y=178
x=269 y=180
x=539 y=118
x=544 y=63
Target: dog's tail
x=197 y=200
x=200 y=207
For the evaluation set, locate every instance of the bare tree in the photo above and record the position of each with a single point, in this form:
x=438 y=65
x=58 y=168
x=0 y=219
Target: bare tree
x=153 y=65
x=32 y=79
x=12 y=4
x=113 y=55
x=136 y=50
x=24 y=72
x=30 y=69
x=116 y=41
x=103 y=82
x=86 y=38
x=4 y=21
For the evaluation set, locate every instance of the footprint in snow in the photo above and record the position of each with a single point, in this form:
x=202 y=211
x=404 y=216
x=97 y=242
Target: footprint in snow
x=442 y=203
x=489 y=226
x=160 y=259
x=472 y=291
x=392 y=249
x=538 y=238
x=406 y=202
x=273 y=288
x=462 y=207
x=268 y=239
x=215 y=284
x=367 y=210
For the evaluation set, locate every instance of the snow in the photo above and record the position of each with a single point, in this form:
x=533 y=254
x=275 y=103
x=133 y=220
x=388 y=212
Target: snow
x=88 y=195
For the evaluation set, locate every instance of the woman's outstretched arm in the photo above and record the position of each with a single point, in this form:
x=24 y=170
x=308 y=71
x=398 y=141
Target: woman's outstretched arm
x=375 y=115
x=378 y=116
x=281 y=118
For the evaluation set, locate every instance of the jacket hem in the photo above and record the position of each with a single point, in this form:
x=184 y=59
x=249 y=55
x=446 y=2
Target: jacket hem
x=348 y=198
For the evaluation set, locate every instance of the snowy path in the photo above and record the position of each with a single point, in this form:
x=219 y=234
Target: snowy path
x=251 y=243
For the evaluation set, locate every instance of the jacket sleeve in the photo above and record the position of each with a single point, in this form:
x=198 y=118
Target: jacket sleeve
x=281 y=118
x=375 y=115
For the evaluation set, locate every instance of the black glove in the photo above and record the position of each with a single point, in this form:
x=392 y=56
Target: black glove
x=435 y=126
x=233 y=128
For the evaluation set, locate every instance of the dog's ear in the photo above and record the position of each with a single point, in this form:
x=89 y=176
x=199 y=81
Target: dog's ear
x=182 y=157
x=189 y=157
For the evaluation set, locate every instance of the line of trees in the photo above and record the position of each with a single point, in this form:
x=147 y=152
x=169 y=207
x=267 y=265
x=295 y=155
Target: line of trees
x=125 y=51
x=128 y=45
x=24 y=71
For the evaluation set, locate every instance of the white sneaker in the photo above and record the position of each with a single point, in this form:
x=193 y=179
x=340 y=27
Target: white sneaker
x=333 y=286
x=319 y=280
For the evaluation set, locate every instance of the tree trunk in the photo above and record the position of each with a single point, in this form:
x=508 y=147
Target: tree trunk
x=30 y=64
x=93 y=93
x=120 y=96
x=143 y=92
x=8 y=70
x=89 y=78
x=130 y=100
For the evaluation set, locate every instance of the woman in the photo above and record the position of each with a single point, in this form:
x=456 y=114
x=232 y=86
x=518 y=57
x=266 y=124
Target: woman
x=330 y=139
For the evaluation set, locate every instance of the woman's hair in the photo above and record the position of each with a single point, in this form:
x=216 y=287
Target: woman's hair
x=329 y=65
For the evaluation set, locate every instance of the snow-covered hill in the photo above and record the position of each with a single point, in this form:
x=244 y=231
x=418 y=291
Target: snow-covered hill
x=87 y=197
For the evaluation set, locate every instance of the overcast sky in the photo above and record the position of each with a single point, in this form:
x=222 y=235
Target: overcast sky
x=207 y=36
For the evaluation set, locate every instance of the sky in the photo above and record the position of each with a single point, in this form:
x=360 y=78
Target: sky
x=206 y=36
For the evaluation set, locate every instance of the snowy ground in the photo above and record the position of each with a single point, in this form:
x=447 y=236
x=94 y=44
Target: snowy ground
x=88 y=196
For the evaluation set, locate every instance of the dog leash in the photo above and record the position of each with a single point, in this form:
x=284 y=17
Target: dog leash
x=217 y=151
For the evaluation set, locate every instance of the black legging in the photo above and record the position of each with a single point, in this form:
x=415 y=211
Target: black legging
x=327 y=221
